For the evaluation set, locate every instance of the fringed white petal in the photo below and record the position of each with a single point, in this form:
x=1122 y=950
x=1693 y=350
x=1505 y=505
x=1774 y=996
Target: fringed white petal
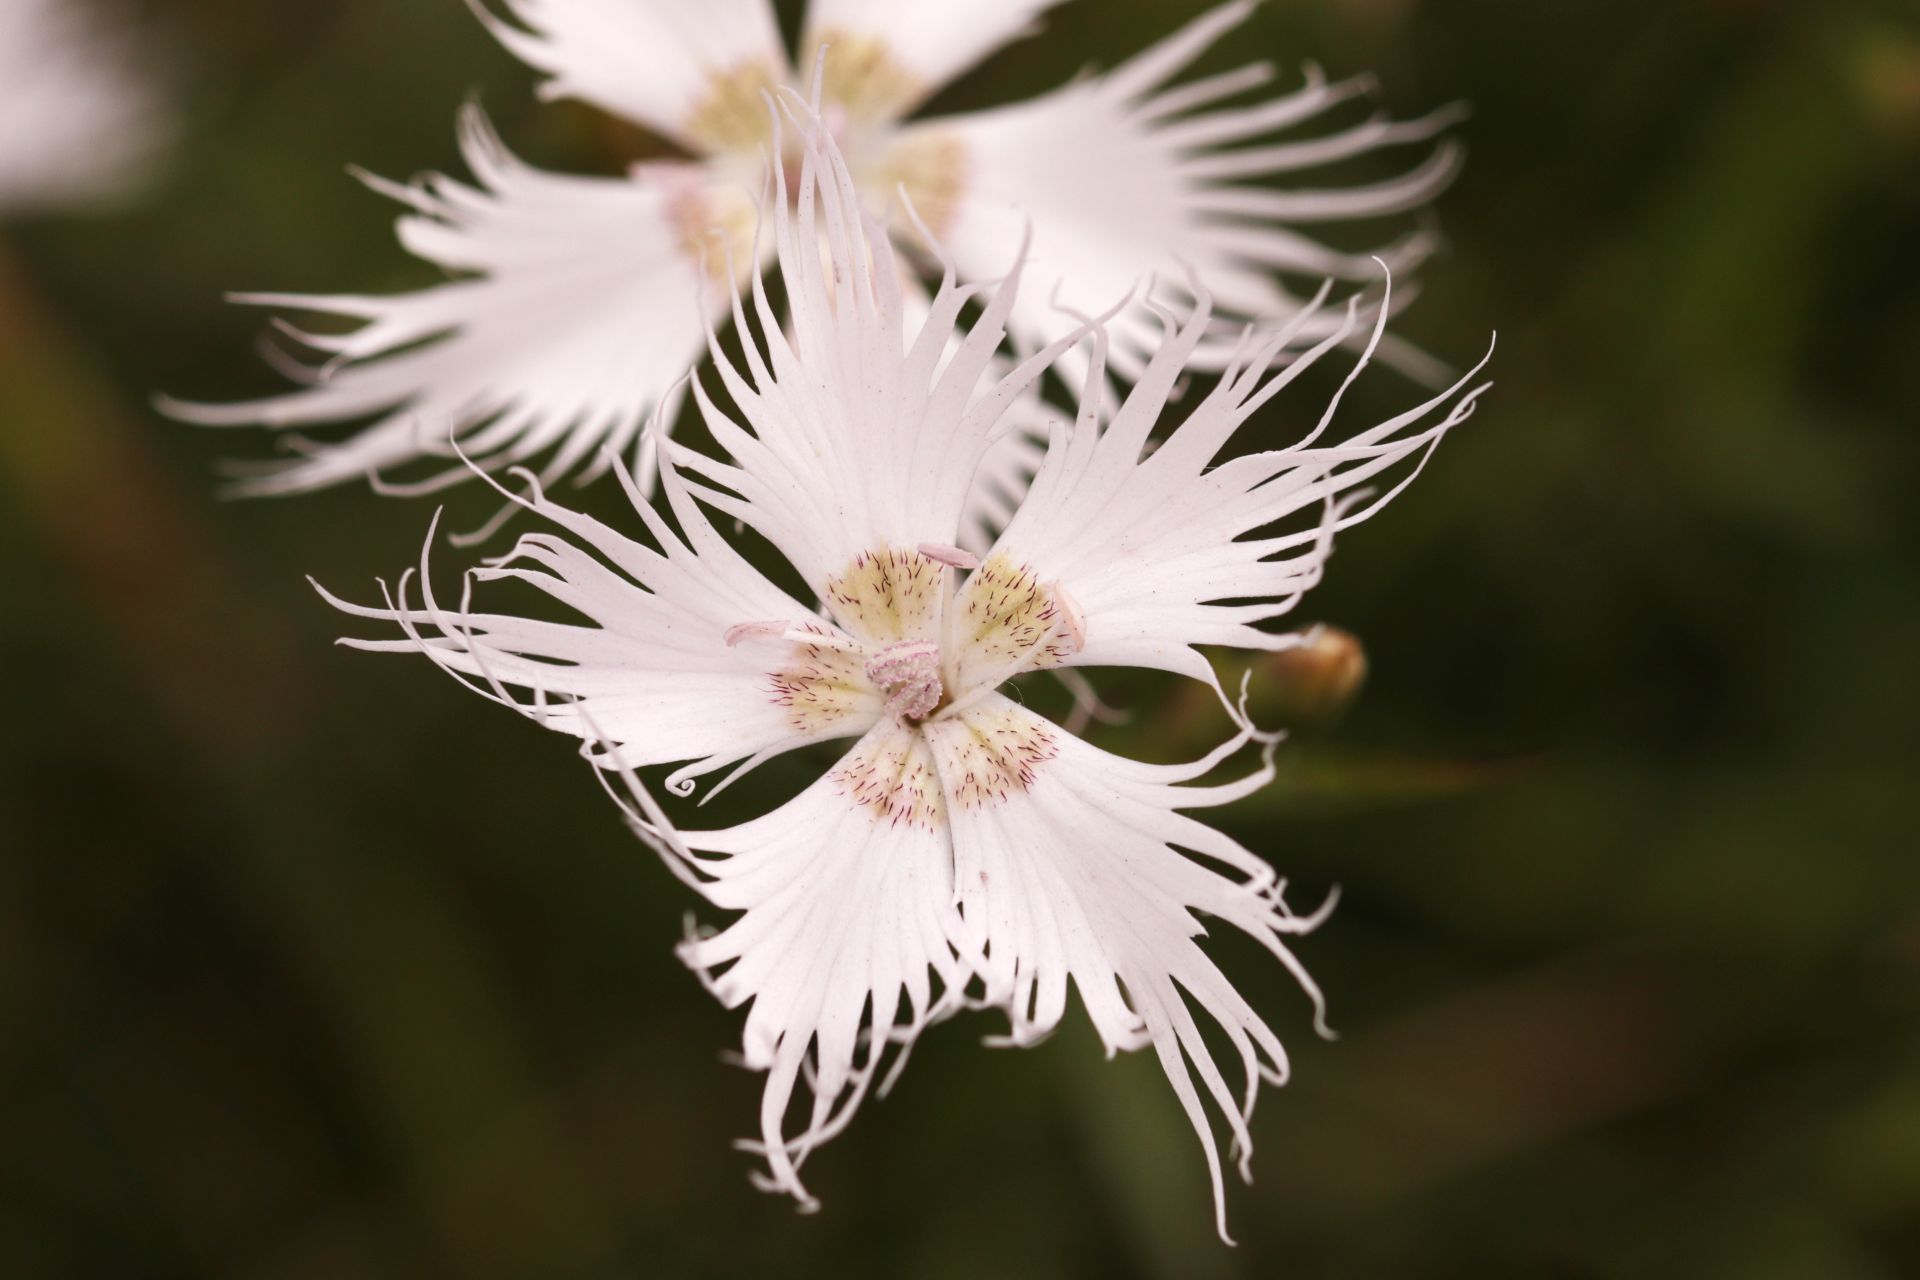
x=692 y=70
x=859 y=432
x=577 y=311
x=660 y=674
x=1015 y=448
x=844 y=945
x=1090 y=874
x=962 y=842
x=1124 y=182
x=885 y=56
x=1008 y=467
x=78 y=122
x=1162 y=550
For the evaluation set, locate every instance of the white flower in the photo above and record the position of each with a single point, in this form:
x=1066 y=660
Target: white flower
x=575 y=312
x=77 y=121
x=964 y=850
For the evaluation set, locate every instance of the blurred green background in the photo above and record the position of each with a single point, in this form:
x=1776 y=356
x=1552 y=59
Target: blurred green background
x=312 y=965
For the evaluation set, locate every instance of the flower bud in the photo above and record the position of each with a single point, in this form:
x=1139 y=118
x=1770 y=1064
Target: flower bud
x=1314 y=682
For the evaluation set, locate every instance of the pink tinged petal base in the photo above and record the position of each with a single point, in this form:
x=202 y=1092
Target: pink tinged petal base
x=577 y=315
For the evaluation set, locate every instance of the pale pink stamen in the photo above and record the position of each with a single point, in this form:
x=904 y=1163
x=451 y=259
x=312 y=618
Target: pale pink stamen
x=909 y=674
x=952 y=557
x=770 y=630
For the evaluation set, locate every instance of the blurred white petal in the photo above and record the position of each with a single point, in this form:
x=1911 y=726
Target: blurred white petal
x=79 y=118
x=1123 y=182
x=885 y=56
x=577 y=307
x=690 y=70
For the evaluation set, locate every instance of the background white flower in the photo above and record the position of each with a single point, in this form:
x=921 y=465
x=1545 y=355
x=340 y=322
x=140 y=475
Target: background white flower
x=78 y=117
x=964 y=849
x=577 y=312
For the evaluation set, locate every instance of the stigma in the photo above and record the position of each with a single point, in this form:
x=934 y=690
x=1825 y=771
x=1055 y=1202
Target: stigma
x=909 y=675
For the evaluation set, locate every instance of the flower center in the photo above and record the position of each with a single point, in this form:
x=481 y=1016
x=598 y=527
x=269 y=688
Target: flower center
x=909 y=675
x=865 y=91
x=863 y=77
x=903 y=642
